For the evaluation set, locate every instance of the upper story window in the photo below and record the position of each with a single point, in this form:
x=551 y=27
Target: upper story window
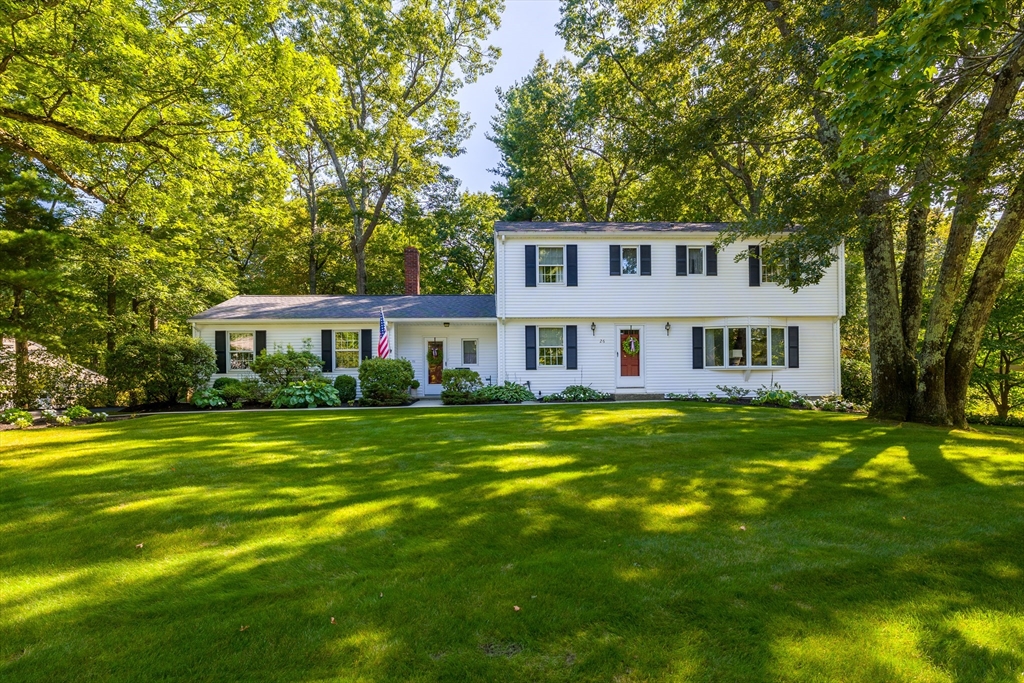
x=695 y=260
x=745 y=347
x=242 y=347
x=346 y=349
x=630 y=260
x=551 y=265
x=551 y=345
x=770 y=273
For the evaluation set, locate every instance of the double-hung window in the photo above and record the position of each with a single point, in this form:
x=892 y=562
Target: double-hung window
x=346 y=349
x=630 y=260
x=695 y=260
x=242 y=347
x=551 y=345
x=756 y=347
x=551 y=265
x=469 y=351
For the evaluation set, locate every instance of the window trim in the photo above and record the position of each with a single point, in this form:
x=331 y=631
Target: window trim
x=462 y=350
x=231 y=369
x=358 y=349
x=703 y=260
x=564 y=267
x=540 y=357
x=622 y=251
x=749 y=350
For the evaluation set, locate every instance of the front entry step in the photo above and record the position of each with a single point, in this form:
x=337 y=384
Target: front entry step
x=638 y=397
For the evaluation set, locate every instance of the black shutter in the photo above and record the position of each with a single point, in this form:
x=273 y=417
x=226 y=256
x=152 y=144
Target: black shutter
x=261 y=341
x=220 y=347
x=531 y=347
x=794 y=346
x=327 y=349
x=614 y=260
x=754 y=265
x=711 y=267
x=645 y=259
x=531 y=265
x=570 y=347
x=365 y=344
x=680 y=259
x=698 y=348
x=571 y=270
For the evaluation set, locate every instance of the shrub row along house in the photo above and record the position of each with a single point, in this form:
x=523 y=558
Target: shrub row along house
x=627 y=308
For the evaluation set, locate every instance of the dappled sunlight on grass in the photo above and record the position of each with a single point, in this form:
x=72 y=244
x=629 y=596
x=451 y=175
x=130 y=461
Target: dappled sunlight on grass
x=659 y=542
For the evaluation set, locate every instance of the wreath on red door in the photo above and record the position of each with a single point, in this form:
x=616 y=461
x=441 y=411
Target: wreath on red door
x=631 y=346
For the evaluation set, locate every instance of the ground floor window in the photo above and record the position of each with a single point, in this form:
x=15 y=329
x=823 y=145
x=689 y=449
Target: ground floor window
x=744 y=347
x=242 y=347
x=469 y=351
x=550 y=345
x=346 y=349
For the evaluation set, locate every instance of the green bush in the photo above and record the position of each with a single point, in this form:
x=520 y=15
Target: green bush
x=283 y=368
x=208 y=398
x=774 y=395
x=309 y=394
x=856 y=378
x=160 y=368
x=459 y=386
x=346 y=386
x=12 y=415
x=577 y=393
x=995 y=420
x=78 y=413
x=509 y=392
x=222 y=383
x=385 y=381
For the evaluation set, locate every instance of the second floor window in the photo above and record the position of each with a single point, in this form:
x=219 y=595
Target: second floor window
x=551 y=264
x=346 y=350
x=630 y=260
x=695 y=260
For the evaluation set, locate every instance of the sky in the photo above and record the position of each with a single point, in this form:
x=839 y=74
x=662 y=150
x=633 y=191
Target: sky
x=527 y=29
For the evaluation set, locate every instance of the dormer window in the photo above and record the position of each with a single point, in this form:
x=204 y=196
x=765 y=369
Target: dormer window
x=551 y=265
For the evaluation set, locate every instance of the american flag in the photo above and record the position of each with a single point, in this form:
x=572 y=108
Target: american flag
x=383 y=345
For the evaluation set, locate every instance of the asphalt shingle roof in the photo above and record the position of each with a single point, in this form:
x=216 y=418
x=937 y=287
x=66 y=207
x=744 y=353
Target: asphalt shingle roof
x=261 y=307
x=539 y=226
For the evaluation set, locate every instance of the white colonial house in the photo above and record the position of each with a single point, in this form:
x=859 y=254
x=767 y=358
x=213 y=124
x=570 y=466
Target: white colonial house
x=626 y=308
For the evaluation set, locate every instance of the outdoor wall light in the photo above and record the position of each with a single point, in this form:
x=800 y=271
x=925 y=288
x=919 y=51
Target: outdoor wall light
x=593 y=328
x=447 y=324
x=668 y=328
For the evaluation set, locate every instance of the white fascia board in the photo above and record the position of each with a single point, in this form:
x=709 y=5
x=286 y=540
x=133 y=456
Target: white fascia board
x=347 y=321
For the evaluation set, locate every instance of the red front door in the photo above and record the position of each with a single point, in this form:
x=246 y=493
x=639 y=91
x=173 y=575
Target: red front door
x=629 y=353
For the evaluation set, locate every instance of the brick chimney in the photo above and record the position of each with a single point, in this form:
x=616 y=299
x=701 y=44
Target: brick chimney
x=412 y=270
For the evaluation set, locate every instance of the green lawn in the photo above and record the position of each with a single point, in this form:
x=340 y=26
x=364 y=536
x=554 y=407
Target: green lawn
x=871 y=551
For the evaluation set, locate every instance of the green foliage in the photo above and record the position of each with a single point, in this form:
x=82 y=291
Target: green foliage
x=282 y=368
x=774 y=395
x=62 y=421
x=459 y=386
x=509 y=392
x=999 y=366
x=346 y=387
x=385 y=381
x=12 y=415
x=78 y=413
x=577 y=393
x=22 y=423
x=164 y=367
x=995 y=420
x=208 y=398
x=834 y=403
x=856 y=380
x=733 y=393
x=307 y=394
x=222 y=383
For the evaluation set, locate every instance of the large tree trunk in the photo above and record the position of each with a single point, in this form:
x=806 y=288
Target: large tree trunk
x=111 y=312
x=312 y=269
x=154 y=321
x=970 y=202
x=912 y=275
x=981 y=299
x=359 y=251
x=892 y=368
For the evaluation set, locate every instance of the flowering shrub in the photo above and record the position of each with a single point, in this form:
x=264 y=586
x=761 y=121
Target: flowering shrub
x=63 y=421
x=10 y=415
x=834 y=403
x=49 y=415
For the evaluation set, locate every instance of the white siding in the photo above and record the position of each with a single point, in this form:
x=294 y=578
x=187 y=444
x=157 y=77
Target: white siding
x=667 y=358
x=663 y=293
x=411 y=343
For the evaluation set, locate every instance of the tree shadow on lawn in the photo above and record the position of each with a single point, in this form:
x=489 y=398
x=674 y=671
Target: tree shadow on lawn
x=628 y=537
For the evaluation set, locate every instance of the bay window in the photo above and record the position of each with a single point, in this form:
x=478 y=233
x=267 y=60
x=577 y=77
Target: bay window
x=745 y=347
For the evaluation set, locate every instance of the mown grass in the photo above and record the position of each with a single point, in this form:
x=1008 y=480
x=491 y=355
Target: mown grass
x=871 y=551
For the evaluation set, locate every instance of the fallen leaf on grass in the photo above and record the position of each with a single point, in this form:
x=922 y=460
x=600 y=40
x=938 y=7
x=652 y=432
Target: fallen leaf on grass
x=515 y=607
x=138 y=545
x=743 y=527
x=382 y=595
x=333 y=621
x=244 y=627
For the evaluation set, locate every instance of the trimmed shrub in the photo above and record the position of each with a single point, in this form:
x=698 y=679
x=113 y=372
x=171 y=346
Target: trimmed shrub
x=346 y=386
x=309 y=394
x=162 y=368
x=12 y=415
x=856 y=378
x=459 y=386
x=78 y=413
x=385 y=381
x=283 y=368
x=577 y=393
x=208 y=398
x=222 y=383
x=509 y=392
